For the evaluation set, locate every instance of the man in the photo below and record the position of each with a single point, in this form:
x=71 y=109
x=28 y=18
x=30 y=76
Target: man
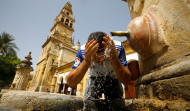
x=107 y=66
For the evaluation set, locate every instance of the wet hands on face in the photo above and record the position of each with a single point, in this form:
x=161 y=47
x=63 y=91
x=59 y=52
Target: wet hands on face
x=91 y=49
x=92 y=54
x=109 y=47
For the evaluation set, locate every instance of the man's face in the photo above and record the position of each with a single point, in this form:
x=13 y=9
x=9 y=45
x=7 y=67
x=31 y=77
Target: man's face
x=100 y=57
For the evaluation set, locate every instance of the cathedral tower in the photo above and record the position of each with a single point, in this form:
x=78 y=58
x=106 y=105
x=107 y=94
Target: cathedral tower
x=57 y=51
x=64 y=23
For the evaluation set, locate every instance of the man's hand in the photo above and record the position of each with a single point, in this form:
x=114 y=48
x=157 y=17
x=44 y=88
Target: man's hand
x=91 y=49
x=109 y=48
x=75 y=76
x=123 y=74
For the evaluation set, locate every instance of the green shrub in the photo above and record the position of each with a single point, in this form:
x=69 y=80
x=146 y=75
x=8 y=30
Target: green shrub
x=7 y=69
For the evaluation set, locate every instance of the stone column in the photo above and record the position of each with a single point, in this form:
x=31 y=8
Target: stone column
x=79 y=89
x=60 y=58
x=53 y=83
x=45 y=84
x=59 y=88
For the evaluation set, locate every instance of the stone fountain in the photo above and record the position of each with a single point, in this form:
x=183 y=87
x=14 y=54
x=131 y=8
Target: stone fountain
x=160 y=33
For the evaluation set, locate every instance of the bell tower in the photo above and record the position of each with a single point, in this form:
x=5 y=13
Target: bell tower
x=64 y=24
x=58 y=50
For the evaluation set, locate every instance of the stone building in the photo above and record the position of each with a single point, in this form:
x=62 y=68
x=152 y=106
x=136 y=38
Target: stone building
x=57 y=56
x=22 y=76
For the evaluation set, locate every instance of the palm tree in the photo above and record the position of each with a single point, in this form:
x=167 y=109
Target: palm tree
x=7 y=47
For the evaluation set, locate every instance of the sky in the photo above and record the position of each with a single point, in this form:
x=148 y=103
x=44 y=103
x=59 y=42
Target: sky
x=30 y=21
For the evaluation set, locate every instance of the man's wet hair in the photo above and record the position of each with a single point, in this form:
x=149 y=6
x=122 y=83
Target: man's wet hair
x=98 y=36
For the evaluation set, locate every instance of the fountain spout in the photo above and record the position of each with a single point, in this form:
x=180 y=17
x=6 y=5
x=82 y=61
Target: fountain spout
x=144 y=35
x=120 y=33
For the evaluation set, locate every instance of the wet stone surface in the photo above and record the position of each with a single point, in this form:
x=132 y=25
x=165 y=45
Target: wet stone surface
x=111 y=105
x=158 y=105
x=5 y=108
x=25 y=100
x=40 y=101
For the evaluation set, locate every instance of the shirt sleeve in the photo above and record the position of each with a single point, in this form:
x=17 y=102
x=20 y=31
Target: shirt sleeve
x=122 y=56
x=78 y=59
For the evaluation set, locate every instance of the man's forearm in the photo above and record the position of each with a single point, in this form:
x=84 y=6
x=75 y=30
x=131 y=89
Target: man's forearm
x=123 y=74
x=77 y=75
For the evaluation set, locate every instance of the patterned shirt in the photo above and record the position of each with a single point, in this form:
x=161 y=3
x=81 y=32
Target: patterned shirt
x=104 y=70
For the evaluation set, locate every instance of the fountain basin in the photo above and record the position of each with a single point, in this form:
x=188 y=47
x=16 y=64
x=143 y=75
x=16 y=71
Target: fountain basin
x=28 y=100
x=40 y=101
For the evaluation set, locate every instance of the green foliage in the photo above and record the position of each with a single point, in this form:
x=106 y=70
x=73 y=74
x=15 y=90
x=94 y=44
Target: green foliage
x=7 y=47
x=7 y=69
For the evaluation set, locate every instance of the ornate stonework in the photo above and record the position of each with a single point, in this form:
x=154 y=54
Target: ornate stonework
x=22 y=76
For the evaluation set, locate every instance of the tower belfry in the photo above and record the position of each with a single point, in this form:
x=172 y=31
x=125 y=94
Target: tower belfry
x=64 y=24
x=58 y=50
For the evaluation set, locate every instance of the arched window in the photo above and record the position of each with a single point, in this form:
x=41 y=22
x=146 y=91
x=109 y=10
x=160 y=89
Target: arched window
x=62 y=19
x=68 y=13
x=71 y=24
x=67 y=22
